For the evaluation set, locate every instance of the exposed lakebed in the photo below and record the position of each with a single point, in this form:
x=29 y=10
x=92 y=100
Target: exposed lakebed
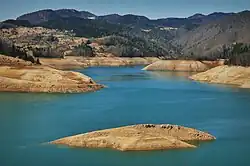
x=132 y=96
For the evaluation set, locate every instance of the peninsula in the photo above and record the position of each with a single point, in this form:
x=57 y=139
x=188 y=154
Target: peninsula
x=17 y=75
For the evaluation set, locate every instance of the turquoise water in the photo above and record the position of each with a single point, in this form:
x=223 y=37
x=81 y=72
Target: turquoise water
x=132 y=96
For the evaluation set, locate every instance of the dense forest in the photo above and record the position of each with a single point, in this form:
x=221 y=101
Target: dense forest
x=127 y=46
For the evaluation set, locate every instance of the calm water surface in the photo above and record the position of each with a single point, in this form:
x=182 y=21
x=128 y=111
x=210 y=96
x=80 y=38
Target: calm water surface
x=133 y=96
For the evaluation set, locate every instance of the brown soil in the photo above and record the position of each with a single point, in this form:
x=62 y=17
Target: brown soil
x=138 y=137
x=231 y=75
x=19 y=76
x=74 y=62
x=182 y=65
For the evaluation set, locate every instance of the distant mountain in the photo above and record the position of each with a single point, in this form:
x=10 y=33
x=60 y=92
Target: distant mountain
x=39 y=16
x=197 y=35
x=25 y=23
x=89 y=25
x=217 y=15
x=112 y=18
x=48 y=15
x=212 y=38
x=65 y=13
x=171 y=22
x=128 y=19
x=84 y=27
x=197 y=16
x=14 y=23
x=42 y=16
x=190 y=22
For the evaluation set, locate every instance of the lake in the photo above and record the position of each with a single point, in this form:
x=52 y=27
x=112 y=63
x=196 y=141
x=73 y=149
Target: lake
x=132 y=96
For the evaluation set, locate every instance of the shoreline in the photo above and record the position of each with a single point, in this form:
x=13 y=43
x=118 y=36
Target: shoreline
x=236 y=76
x=17 y=75
x=76 y=62
x=183 y=65
x=141 y=137
x=12 y=70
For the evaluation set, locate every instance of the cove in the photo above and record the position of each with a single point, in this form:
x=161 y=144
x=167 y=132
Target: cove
x=132 y=96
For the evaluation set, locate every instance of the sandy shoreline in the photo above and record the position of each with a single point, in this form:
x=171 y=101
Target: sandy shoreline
x=20 y=76
x=227 y=75
x=74 y=62
x=183 y=65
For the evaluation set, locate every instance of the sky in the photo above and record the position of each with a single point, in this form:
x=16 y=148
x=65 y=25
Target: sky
x=10 y=9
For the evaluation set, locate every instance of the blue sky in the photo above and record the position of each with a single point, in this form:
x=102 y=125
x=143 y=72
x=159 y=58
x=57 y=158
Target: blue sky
x=150 y=8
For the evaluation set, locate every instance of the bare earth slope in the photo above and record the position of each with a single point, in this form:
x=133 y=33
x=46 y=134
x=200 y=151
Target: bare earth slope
x=72 y=62
x=138 y=137
x=231 y=75
x=182 y=65
x=10 y=61
x=17 y=76
x=208 y=39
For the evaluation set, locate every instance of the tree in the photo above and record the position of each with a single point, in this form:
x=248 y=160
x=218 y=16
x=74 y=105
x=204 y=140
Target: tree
x=83 y=50
x=239 y=55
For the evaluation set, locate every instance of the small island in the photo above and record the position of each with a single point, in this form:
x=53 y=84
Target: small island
x=142 y=137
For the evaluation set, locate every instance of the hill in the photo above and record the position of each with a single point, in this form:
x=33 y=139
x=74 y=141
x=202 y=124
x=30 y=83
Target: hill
x=199 y=36
x=213 y=38
x=42 y=16
x=48 y=14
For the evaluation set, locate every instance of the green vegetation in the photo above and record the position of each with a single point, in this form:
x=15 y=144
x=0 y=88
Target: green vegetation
x=238 y=55
x=9 y=48
x=126 y=46
x=84 y=50
x=138 y=36
x=84 y=27
x=131 y=39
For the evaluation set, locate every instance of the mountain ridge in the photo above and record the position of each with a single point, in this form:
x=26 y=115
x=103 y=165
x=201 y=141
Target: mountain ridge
x=213 y=38
x=196 y=36
x=44 y=15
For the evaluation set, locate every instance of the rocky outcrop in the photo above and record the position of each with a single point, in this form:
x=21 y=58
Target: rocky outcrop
x=182 y=65
x=20 y=76
x=231 y=75
x=138 y=137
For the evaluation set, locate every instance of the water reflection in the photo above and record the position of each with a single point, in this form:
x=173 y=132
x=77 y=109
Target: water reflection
x=128 y=77
x=170 y=74
x=146 y=75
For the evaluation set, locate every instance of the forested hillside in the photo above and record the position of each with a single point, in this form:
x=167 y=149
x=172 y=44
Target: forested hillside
x=196 y=37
